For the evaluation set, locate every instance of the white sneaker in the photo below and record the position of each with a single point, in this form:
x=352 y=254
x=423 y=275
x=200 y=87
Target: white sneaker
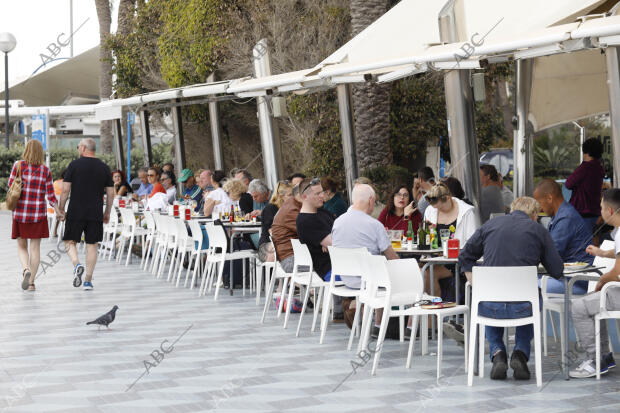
x=586 y=369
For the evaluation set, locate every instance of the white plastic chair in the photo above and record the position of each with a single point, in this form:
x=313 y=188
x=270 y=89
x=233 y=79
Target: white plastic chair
x=168 y=243
x=503 y=284
x=196 y=253
x=161 y=238
x=404 y=285
x=604 y=314
x=151 y=229
x=218 y=240
x=185 y=246
x=130 y=231
x=110 y=231
x=308 y=279
x=345 y=261
x=266 y=270
x=278 y=273
x=555 y=302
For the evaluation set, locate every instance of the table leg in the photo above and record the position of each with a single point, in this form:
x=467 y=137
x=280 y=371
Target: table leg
x=457 y=281
x=432 y=289
x=567 y=287
x=231 y=266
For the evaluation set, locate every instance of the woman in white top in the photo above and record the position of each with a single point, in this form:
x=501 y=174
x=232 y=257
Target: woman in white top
x=217 y=201
x=447 y=211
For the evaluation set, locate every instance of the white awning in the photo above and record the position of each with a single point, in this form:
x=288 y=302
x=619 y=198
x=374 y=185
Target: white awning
x=78 y=76
x=84 y=110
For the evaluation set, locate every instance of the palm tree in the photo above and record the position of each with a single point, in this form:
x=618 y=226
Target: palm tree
x=105 y=69
x=371 y=103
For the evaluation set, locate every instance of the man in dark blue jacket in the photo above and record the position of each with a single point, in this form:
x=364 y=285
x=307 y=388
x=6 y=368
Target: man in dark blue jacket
x=506 y=241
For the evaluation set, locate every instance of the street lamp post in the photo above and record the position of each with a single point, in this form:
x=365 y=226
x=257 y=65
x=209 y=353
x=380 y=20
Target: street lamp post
x=7 y=44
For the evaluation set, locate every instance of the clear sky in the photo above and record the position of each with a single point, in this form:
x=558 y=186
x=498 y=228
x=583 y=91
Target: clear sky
x=37 y=23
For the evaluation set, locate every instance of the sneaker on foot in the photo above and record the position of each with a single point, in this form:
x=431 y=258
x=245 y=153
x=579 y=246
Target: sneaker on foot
x=77 y=275
x=609 y=359
x=518 y=363
x=88 y=285
x=500 y=366
x=586 y=369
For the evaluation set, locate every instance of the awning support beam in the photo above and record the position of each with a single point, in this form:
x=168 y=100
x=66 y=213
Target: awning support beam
x=179 y=143
x=118 y=147
x=270 y=138
x=523 y=147
x=612 y=56
x=216 y=138
x=460 y=113
x=348 y=136
x=146 y=137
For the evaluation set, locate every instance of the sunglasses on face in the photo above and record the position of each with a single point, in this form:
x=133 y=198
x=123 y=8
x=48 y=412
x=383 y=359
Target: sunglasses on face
x=315 y=181
x=151 y=175
x=434 y=199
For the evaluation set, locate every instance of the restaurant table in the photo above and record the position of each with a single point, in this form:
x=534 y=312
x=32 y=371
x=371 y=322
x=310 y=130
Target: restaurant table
x=574 y=275
x=235 y=229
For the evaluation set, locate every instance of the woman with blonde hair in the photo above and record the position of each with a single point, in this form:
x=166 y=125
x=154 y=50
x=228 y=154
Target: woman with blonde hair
x=30 y=214
x=447 y=212
x=283 y=191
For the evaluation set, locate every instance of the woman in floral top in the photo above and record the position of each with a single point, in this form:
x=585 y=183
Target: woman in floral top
x=30 y=214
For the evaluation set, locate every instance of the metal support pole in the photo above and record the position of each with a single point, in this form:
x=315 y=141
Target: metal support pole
x=612 y=55
x=460 y=112
x=214 y=120
x=523 y=150
x=146 y=138
x=71 y=27
x=270 y=139
x=348 y=136
x=179 y=142
x=118 y=147
x=582 y=138
x=6 y=98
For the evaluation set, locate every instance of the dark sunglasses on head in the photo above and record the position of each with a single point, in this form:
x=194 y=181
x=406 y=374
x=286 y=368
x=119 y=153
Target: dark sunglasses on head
x=315 y=181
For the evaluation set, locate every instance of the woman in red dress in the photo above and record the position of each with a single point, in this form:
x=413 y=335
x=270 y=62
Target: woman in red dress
x=30 y=214
x=400 y=210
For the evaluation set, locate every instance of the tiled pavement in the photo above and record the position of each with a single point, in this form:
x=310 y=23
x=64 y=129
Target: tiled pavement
x=226 y=361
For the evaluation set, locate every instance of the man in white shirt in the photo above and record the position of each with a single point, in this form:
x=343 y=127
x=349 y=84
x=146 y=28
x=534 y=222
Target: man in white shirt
x=586 y=307
x=169 y=184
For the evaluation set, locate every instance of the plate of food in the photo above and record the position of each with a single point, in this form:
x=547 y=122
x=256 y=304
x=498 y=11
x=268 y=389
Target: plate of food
x=575 y=266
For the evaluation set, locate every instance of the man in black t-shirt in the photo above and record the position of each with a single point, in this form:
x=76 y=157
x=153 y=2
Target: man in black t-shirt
x=88 y=179
x=314 y=226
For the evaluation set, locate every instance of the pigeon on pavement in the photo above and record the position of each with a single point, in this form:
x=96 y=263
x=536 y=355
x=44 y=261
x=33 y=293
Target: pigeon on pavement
x=105 y=319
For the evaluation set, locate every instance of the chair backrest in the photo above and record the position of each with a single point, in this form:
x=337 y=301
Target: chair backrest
x=217 y=237
x=374 y=275
x=505 y=284
x=405 y=275
x=197 y=235
x=150 y=221
x=606 y=263
x=182 y=234
x=301 y=255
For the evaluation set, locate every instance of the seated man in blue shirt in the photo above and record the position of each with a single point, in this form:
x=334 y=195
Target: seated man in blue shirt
x=506 y=241
x=145 y=187
x=192 y=191
x=568 y=230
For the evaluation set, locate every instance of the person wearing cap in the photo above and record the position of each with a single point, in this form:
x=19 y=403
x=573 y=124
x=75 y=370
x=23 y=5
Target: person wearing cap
x=192 y=191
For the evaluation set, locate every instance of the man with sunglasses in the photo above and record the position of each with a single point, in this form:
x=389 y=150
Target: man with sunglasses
x=168 y=181
x=314 y=225
x=145 y=187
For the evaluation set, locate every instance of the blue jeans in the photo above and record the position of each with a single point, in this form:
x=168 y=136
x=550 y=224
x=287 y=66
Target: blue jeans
x=495 y=335
x=557 y=286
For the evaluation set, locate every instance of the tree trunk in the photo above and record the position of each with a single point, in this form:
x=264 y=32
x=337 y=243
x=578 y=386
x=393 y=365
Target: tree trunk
x=371 y=103
x=126 y=10
x=105 y=69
